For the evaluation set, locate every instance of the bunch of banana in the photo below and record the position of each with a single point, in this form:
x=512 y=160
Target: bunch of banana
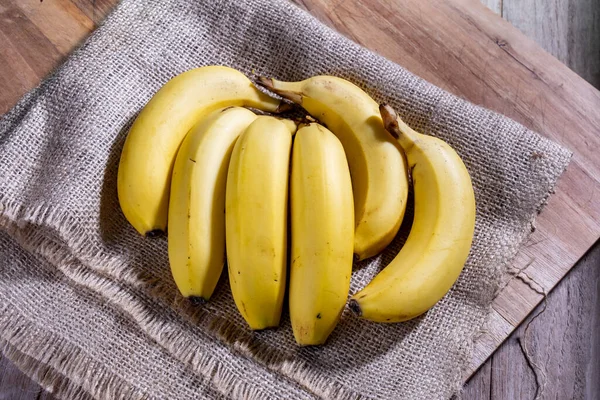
x=322 y=234
x=220 y=173
x=377 y=166
x=256 y=220
x=440 y=238
x=147 y=159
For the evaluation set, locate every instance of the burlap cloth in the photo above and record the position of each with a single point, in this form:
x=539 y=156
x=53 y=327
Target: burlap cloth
x=88 y=306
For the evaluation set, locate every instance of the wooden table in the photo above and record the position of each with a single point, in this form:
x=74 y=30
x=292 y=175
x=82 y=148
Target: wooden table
x=443 y=45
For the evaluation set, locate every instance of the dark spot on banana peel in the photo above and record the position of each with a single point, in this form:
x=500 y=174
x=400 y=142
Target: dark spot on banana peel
x=355 y=307
x=155 y=233
x=319 y=316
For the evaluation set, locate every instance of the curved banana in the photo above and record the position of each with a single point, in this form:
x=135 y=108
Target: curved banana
x=197 y=203
x=440 y=239
x=322 y=234
x=256 y=220
x=377 y=166
x=149 y=152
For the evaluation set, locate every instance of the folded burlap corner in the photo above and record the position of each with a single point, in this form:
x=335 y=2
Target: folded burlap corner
x=88 y=306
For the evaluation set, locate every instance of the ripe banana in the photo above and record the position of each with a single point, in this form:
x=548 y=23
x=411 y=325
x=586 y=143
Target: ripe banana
x=440 y=238
x=256 y=219
x=150 y=148
x=322 y=234
x=197 y=205
x=377 y=166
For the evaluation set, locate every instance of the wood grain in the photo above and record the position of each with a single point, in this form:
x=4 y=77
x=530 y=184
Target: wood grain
x=494 y=5
x=564 y=343
x=14 y=385
x=567 y=29
x=458 y=45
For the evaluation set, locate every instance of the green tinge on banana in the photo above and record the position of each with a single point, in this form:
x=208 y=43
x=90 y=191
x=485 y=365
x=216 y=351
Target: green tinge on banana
x=147 y=158
x=440 y=238
x=197 y=205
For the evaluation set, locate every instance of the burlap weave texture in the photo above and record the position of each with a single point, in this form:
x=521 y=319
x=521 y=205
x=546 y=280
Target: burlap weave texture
x=80 y=287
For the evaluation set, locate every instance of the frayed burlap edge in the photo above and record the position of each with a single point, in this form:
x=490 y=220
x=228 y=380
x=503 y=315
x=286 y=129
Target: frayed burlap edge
x=24 y=225
x=122 y=294
x=45 y=353
x=47 y=377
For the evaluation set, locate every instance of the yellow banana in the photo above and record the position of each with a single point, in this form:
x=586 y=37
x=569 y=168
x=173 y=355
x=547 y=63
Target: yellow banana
x=322 y=213
x=151 y=146
x=197 y=204
x=377 y=166
x=256 y=220
x=440 y=238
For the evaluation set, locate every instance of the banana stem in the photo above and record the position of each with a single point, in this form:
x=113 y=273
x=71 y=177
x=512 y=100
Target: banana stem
x=269 y=83
x=355 y=307
x=396 y=127
x=155 y=233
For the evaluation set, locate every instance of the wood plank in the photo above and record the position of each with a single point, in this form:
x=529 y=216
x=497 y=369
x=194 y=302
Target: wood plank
x=588 y=373
x=460 y=46
x=35 y=36
x=494 y=332
x=567 y=29
x=567 y=330
x=563 y=343
x=16 y=76
x=35 y=48
x=479 y=386
x=95 y=10
x=516 y=382
x=494 y=5
x=60 y=21
x=16 y=385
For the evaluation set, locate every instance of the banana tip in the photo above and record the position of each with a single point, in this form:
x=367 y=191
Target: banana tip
x=266 y=82
x=355 y=307
x=154 y=233
x=197 y=300
x=390 y=119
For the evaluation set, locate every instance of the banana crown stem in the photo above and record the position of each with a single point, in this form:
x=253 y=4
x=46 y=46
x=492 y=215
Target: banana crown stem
x=396 y=127
x=271 y=84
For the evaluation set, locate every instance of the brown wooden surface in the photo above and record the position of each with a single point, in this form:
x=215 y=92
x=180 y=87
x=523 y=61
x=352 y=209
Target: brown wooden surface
x=564 y=339
x=458 y=45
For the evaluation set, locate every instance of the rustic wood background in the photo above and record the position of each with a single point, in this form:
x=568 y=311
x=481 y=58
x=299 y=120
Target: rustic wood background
x=562 y=334
x=563 y=341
